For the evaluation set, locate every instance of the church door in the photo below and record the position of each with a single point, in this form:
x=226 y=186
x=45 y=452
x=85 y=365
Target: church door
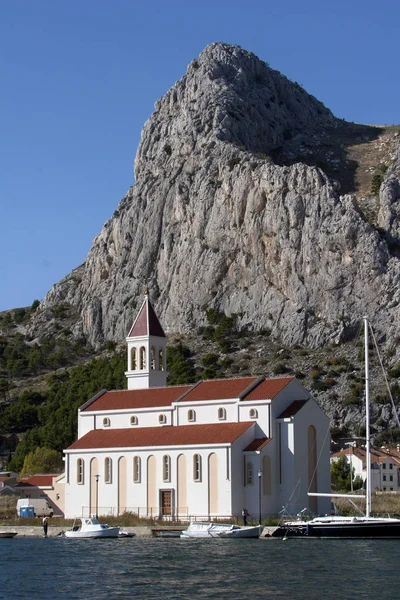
x=166 y=503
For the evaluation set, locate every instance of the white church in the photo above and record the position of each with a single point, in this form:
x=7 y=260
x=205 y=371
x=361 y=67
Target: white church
x=198 y=451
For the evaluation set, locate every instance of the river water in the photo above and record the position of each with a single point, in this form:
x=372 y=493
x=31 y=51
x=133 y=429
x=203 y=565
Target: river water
x=150 y=568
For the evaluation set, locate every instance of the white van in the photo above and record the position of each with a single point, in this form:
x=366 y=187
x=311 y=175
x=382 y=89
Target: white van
x=41 y=506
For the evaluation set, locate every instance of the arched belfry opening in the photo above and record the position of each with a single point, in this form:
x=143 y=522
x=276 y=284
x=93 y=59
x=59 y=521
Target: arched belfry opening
x=147 y=349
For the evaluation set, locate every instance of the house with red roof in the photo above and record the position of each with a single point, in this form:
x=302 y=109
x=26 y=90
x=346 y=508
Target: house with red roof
x=47 y=486
x=195 y=451
x=385 y=465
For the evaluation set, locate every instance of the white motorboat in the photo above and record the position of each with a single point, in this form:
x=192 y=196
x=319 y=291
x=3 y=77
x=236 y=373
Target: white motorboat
x=92 y=528
x=202 y=529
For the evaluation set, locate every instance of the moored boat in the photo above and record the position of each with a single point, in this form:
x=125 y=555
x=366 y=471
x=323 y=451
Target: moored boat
x=202 y=529
x=364 y=526
x=340 y=527
x=8 y=534
x=92 y=528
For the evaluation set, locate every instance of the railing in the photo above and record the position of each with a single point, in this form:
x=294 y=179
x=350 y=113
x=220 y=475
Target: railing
x=158 y=513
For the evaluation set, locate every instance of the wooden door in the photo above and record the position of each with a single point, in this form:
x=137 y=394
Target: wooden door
x=166 y=503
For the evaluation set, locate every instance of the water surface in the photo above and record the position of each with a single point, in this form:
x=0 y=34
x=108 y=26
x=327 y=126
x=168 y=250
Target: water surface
x=141 y=568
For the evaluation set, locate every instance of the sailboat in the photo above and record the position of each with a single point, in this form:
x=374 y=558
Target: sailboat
x=347 y=527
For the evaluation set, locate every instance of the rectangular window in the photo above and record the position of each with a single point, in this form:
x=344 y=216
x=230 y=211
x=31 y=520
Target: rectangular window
x=390 y=465
x=166 y=468
x=391 y=478
x=384 y=466
x=197 y=467
x=249 y=473
x=280 y=451
x=136 y=469
x=384 y=478
x=107 y=470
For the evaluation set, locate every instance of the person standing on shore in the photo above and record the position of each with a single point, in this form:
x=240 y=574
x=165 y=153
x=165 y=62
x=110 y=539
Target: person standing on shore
x=45 y=526
x=245 y=514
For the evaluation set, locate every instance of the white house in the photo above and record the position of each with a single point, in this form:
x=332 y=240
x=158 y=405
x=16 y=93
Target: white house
x=203 y=450
x=385 y=466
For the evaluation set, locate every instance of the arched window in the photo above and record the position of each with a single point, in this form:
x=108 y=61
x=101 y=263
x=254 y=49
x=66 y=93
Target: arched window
x=133 y=359
x=142 y=358
x=134 y=420
x=80 y=471
x=166 y=468
x=106 y=422
x=253 y=413
x=249 y=473
x=162 y=419
x=161 y=359
x=191 y=415
x=153 y=358
x=197 y=467
x=137 y=468
x=221 y=414
x=107 y=470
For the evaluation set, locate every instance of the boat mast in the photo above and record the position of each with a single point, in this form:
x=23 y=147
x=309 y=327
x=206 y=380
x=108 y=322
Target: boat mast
x=367 y=428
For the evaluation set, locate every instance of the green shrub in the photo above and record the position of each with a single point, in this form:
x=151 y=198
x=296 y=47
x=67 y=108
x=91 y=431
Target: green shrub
x=280 y=369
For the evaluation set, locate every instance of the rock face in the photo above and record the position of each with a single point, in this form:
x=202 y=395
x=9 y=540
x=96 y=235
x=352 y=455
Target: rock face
x=223 y=215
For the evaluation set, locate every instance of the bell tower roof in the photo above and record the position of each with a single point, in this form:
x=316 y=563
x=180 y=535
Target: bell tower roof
x=146 y=322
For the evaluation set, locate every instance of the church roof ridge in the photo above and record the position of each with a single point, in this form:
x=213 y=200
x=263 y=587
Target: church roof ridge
x=170 y=435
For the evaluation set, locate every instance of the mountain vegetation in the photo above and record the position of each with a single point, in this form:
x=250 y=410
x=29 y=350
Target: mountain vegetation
x=42 y=410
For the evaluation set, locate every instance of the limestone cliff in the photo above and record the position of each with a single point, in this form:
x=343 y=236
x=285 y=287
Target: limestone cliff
x=237 y=205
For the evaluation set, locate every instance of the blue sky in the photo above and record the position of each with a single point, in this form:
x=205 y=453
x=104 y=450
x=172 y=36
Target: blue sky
x=78 y=79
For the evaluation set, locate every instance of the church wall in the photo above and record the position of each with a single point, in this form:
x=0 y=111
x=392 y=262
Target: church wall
x=285 y=464
x=86 y=423
x=311 y=414
x=243 y=495
x=263 y=414
x=122 y=419
x=206 y=412
x=78 y=496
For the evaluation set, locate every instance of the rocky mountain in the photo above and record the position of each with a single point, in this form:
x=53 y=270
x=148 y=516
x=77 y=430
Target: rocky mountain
x=252 y=198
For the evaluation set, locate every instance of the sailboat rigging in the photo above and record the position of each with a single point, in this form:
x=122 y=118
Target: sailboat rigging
x=348 y=527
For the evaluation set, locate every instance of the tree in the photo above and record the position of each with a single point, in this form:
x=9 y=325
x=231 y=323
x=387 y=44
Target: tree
x=340 y=475
x=42 y=460
x=179 y=365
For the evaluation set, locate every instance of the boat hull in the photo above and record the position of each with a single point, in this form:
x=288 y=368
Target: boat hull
x=7 y=534
x=217 y=530
x=111 y=532
x=350 y=529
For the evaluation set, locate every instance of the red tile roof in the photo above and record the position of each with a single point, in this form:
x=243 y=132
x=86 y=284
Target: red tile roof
x=268 y=388
x=148 y=398
x=146 y=322
x=219 y=389
x=257 y=444
x=181 y=435
x=292 y=409
x=376 y=454
x=37 y=481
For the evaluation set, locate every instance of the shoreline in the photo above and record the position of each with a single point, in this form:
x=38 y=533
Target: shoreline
x=37 y=531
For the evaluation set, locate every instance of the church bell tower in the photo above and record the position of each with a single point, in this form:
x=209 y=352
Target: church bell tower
x=147 y=349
